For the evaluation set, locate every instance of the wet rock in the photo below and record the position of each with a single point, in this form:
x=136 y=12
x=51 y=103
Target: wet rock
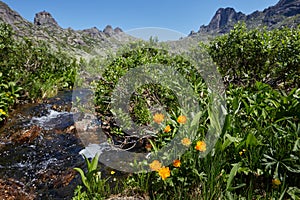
x=11 y=189
x=70 y=130
x=27 y=136
x=55 y=178
x=32 y=152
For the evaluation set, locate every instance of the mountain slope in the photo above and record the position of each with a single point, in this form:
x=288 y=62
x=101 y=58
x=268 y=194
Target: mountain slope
x=93 y=41
x=86 y=42
x=286 y=13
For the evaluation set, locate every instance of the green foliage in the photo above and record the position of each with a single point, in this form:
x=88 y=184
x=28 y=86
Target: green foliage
x=258 y=151
x=96 y=186
x=260 y=144
x=246 y=56
x=148 y=95
x=31 y=70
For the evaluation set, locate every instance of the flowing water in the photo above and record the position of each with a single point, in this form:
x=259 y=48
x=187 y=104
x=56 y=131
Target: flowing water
x=39 y=149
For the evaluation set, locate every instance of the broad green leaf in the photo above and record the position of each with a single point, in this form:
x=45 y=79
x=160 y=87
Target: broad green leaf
x=83 y=178
x=232 y=174
x=251 y=140
x=94 y=163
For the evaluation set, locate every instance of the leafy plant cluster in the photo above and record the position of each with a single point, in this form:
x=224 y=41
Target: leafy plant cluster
x=246 y=56
x=30 y=70
x=149 y=95
x=97 y=187
x=256 y=157
x=258 y=153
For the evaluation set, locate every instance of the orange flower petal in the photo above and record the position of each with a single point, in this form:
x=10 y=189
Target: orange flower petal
x=167 y=129
x=155 y=165
x=164 y=173
x=158 y=118
x=176 y=163
x=201 y=146
x=181 y=119
x=186 y=141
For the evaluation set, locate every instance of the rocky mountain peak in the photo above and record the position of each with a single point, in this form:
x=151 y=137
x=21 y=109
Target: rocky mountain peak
x=222 y=18
x=45 y=19
x=118 y=30
x=108 y=30
x=284 y=13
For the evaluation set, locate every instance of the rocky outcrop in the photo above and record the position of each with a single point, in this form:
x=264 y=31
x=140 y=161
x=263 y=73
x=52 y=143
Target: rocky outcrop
x=282 y=10
x=287 y=8
x=45 y=19
x=118 y=30
x=94 y=33
x=108 y=30
x=222 y=20
x=78 y=42
x=284 y=13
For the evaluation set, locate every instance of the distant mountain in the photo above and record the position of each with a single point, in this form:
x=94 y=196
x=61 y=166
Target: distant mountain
x=85 y=42
x=286 y=13
x=92 y=41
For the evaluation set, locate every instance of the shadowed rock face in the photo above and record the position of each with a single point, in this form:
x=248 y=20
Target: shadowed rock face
x=286 y=7
x=223 y=17
x=272 y=17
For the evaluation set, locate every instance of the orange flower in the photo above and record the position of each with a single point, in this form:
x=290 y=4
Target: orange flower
x=201 y=146
x=186 y=142
x=181 y=119
x=176 y=163
x=158 y=117
x=167 y=129
x=164 y=173
x=155 y=165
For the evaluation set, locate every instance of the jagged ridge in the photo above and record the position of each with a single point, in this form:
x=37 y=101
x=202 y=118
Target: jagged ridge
x=80 y=42
x=284 y=13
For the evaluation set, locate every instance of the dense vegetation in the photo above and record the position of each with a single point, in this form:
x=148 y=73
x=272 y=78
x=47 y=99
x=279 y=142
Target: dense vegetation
x=257 y=154
x=258 y=150
x=271 y=57
x=30 y=70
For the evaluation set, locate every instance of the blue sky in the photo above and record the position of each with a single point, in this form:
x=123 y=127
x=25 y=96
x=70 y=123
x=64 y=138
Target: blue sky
x=178 y=15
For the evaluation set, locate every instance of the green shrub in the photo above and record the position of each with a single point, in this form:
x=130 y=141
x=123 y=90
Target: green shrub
x=246 y=56
x=31 y=69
